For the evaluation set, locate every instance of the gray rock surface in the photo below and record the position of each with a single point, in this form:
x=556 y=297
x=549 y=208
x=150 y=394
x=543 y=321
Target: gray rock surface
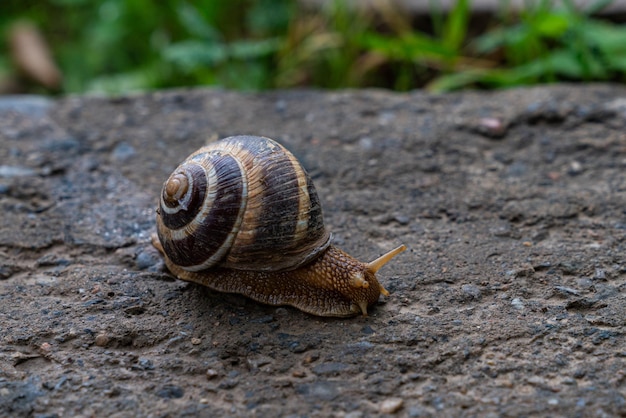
x=510 y=302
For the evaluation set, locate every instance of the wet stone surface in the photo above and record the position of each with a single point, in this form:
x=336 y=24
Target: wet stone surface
x=510 y=302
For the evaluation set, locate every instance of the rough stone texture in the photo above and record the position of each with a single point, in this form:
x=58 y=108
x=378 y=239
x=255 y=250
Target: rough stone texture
x=510 y=302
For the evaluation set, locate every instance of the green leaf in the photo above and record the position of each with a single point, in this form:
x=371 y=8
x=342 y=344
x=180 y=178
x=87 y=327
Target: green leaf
x=123 y=83
x=552 y=25
x=456 y=81
x=564 y=63
x=194 y=23
x=270 y=16
x=247 y=49
x=243 y=76
x=409 y=47
x=610 y=38
x=455 y=28
x=188 y=55
x=499 y=38
x=618 y=63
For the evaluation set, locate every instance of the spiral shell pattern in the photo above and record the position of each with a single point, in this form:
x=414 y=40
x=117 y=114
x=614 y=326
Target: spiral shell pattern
x=243 y=203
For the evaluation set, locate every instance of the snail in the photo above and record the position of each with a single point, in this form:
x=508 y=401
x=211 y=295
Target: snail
x=241 y=215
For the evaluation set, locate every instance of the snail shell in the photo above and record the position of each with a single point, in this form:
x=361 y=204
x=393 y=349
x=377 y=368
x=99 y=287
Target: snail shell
x=241 y=215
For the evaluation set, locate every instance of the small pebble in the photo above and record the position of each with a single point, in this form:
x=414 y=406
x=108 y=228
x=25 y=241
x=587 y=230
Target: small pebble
x=52 y=260
x=402 y=219
x=385 y=118
x=517 y=303
x=569 y=268
x=471 y=290
x=211 y=374
x=310 y=358
x=170 y=392
x=280 y=105
x=34 y=106
x=266 y=319
x=5 y=272
x=517 y=169
x=228 y=384
x=146 y=259
x=490 y=127
x=144 y=364
x=367 y=329
x=113 y=392
x=366 y=143
x=391 y=405
x=323 y=390
x=135 y=310
x=101 y=340
x=575 y=168
x=123 y=151
x=258 y=361
x=331 y=368
x=281 y=312
x=523 y=271
x=566 y=290
x=10 y=171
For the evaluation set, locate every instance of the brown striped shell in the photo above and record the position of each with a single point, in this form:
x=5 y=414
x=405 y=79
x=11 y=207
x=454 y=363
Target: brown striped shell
x=241 y=203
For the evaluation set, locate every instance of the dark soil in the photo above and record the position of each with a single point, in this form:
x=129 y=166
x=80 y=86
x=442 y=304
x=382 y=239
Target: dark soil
x=510 y=302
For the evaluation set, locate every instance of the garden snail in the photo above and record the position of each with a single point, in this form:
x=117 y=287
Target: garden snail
x=242 y=216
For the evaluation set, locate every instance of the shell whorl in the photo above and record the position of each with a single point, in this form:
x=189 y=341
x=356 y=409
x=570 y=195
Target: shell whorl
x=243 y=203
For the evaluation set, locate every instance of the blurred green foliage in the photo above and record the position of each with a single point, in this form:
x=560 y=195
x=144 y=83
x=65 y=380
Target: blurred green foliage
x=122 y=45
x=546 y=44
x=117 y=46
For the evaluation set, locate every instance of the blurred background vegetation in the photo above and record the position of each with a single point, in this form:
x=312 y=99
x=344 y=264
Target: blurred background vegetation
x=119 y=46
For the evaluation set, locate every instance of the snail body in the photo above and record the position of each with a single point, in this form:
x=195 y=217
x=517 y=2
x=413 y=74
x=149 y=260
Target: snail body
x=242 y=216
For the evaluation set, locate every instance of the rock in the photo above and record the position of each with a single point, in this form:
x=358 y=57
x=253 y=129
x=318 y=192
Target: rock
x=147 y=259
x=227 y=384
x=566 y=291
x=391 y=405
x=526 y=270
x=33 y=106
x=319 y=391
x=258 y=361
x=471 y=290
x=330 y=369
x=8 y=171
x=19 y=398
x=514 y=284
x=575 y=168
x=101 y=340
x=170 y=392
x=123 y=152
x=6 y=272
x=402 y=219
x=517 y=303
